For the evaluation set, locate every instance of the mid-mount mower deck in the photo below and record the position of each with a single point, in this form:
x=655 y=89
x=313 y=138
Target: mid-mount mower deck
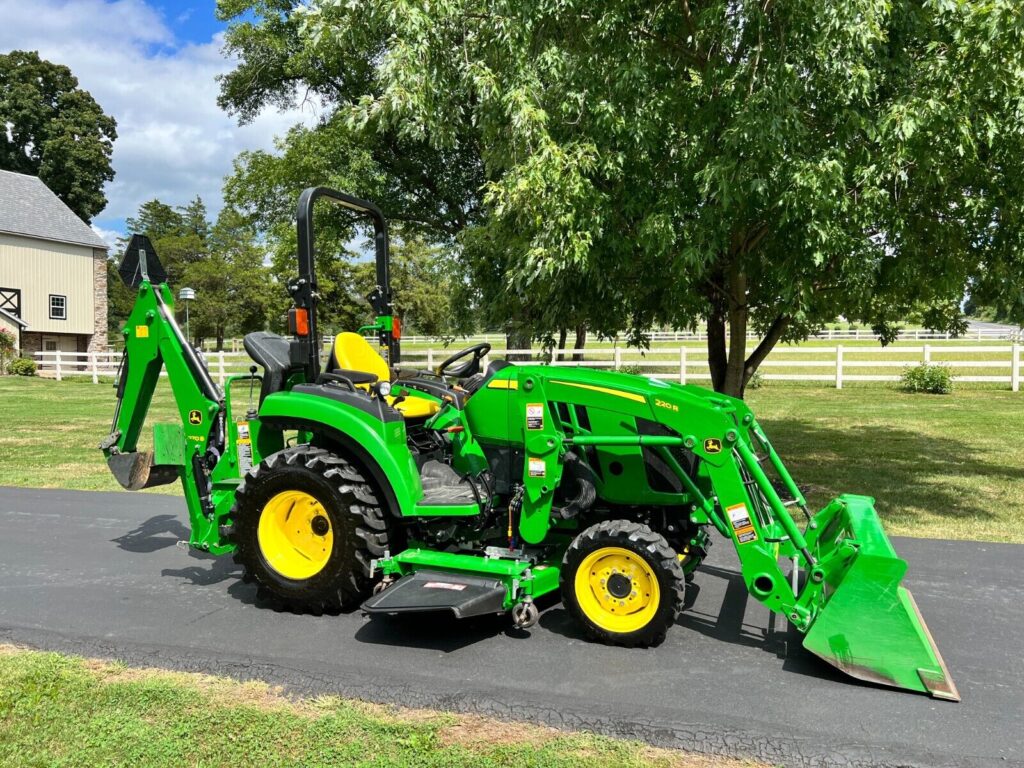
x=477 y=489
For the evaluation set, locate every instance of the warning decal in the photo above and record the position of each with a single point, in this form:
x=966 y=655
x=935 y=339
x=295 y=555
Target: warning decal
x=535 y=416
x=537 y=468
x=444 y=585
x=244 y=447
x=740 y=519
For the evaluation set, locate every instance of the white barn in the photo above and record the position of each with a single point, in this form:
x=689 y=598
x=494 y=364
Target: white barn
x=53 y=271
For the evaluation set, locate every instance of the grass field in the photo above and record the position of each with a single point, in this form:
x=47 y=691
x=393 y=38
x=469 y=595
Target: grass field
x=940 y=466
x=61 y=711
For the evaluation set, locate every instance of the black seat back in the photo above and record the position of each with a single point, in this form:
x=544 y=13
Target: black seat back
x=272 y=353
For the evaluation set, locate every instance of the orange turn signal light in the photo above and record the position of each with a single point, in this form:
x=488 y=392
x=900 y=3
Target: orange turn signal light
x=396 y=328
x=298 y=321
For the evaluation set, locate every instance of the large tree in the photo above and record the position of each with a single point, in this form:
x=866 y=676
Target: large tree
x=55 y=130
x=748 y=165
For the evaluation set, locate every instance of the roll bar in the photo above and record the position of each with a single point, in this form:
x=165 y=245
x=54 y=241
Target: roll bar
x=306 y=349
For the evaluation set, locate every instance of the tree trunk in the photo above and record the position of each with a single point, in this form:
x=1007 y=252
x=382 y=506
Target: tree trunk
x=581 y=341
x=718 y=359
x=563 y=332
x=735 y=370
x=727 y=295
x=518 y=339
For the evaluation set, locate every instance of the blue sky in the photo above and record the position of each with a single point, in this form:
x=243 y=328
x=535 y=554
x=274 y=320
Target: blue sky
x=194 y=22
x=153 y=66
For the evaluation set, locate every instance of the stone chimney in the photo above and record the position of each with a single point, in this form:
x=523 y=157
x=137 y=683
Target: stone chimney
x=98 y=340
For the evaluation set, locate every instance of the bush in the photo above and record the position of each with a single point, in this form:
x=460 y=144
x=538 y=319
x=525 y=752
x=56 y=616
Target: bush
x=932 y=379
x=756 y=381
x=6 y=348
x=632 y=368
x=22 y=366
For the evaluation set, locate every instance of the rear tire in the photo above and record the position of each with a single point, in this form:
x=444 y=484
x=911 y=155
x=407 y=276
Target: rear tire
x=623 y=583
x=307 y=524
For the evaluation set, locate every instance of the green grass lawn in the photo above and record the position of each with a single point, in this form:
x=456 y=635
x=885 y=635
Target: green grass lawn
x=939 y=466
x=61 y=711
x=942 y=466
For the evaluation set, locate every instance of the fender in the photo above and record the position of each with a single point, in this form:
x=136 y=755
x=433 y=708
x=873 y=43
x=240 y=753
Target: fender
x=379 y=446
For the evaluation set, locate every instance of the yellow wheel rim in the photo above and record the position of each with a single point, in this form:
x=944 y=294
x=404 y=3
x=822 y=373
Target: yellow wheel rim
x=295 y=535
x=617 y=590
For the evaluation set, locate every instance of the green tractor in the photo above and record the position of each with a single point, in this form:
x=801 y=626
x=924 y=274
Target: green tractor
x=482 y=486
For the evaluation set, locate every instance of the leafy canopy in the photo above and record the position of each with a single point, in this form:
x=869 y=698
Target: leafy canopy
x=749 y=165
x=55 y=130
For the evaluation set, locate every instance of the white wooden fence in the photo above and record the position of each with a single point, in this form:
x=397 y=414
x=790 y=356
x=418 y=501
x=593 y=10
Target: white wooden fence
x=660 y=337
x=835 y=365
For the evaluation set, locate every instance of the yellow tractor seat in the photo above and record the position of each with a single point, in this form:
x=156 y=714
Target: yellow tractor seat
x=354 y=353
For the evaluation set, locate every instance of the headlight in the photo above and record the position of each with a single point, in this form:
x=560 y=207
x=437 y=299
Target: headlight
x=384 y=388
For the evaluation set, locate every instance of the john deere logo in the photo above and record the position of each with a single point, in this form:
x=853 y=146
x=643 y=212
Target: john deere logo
x=712 y=445
x=195 y=417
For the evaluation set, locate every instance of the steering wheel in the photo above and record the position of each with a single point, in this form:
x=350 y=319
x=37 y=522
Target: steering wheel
x=468 y=368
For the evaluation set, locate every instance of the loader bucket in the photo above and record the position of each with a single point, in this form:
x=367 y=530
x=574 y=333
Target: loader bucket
x=869 y=625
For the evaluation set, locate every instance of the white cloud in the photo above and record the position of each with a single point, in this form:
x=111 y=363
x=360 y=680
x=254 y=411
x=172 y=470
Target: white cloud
x=174 y=142
x=109 y=236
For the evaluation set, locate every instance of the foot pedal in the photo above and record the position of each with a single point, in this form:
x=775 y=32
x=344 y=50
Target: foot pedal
x=427 y=591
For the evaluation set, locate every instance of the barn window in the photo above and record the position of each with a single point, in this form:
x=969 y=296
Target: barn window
x=58 y=307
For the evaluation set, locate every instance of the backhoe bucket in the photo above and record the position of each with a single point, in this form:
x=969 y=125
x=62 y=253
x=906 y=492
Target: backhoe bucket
x=868 y=625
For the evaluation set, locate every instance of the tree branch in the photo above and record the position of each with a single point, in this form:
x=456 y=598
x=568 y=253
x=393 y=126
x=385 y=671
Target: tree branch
x=767 y=344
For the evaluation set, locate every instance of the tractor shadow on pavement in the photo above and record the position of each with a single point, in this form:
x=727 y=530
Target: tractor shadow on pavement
x=156 y=533
x=443 y=632
x=213 y=571
x=726 y=624
x=164 y=531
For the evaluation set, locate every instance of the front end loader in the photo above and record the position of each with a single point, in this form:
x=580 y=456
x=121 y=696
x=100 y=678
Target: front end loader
x=481 y=486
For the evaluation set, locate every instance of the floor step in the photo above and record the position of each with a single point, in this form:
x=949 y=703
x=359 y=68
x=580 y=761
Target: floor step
x=430 y=591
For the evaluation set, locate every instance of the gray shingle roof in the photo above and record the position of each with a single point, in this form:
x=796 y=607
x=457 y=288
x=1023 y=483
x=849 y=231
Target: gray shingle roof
x=28 y=207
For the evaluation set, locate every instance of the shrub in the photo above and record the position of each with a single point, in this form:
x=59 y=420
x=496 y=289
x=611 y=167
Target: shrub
x=6 y=348
x=22 y=366
x=632 y=368
x=932 y=379
x=756 y=381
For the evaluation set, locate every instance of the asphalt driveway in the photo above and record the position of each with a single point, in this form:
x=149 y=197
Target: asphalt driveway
x=99 y=574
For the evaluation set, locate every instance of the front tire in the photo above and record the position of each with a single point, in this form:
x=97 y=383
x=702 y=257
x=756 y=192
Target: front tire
x=307 y=524
x=623 y=583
